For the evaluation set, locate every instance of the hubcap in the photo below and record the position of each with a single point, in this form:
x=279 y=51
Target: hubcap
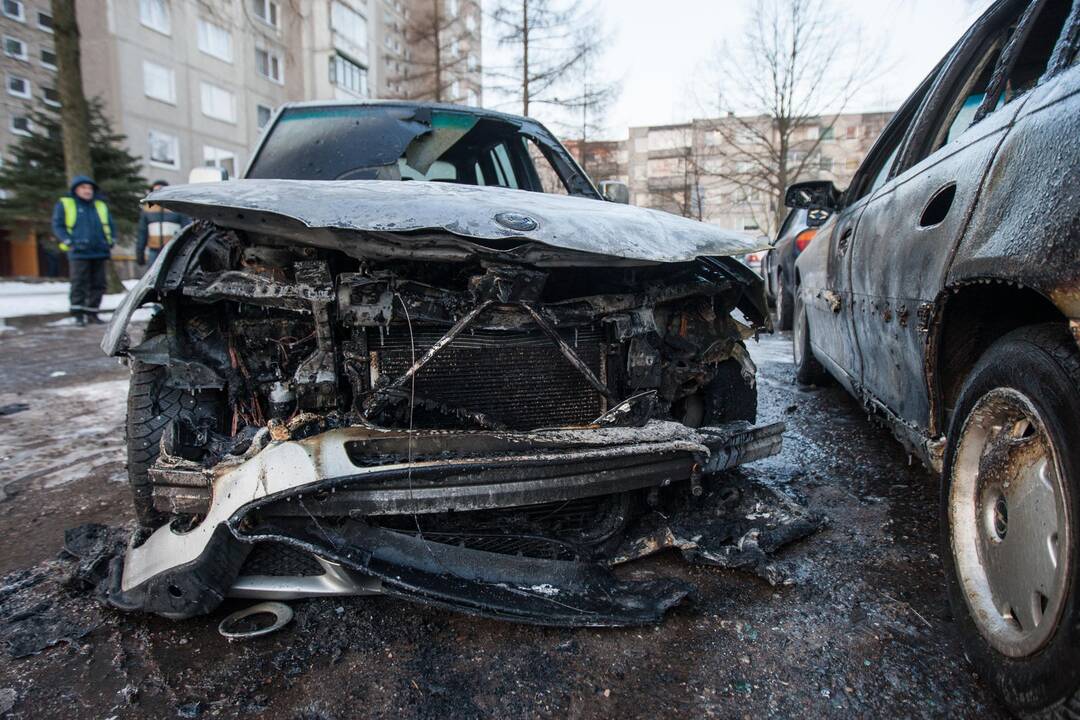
x=1010 y=524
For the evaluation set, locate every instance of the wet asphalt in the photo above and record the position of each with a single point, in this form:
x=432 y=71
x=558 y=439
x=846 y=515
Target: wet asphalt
x=864 y=632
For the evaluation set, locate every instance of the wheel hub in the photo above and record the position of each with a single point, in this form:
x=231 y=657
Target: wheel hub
x=1009 y=523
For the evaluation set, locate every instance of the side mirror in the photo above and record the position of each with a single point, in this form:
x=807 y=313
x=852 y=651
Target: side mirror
x=207 y=174
x=813 y=195
x=615 y=191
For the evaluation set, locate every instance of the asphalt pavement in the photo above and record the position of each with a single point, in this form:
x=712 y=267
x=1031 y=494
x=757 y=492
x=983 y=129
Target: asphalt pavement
x=863 y=632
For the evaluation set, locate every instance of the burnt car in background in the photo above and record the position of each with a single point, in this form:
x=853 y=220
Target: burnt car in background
x=778 y=263
x=944 y=293
x=387 y=360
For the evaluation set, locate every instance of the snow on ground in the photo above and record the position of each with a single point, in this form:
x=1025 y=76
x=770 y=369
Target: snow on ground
x=65 y=435
x=19 y=299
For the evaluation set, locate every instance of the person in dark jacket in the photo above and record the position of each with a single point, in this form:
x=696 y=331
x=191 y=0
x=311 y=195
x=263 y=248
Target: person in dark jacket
x=157 y=226
x=84 y=228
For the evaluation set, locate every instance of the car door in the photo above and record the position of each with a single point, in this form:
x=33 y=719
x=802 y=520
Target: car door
x=912 y=224
x=824 y=268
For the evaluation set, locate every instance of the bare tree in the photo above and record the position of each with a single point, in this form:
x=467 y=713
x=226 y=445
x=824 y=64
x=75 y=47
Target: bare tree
x=74 y=109
x=592 y=95
x=779 y=93
x=433 y=36
x=544 y=40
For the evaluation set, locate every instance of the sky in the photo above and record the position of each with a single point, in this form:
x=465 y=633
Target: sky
x=660 y=47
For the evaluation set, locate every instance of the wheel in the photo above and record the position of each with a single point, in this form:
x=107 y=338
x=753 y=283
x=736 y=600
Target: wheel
x=1010 y=504
x=729 y=396
x=785 y=305
x=808 y=371
x=151 y=407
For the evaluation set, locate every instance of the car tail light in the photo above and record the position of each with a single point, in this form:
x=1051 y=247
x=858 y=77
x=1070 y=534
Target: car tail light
x=752 y=258
x=803 y=239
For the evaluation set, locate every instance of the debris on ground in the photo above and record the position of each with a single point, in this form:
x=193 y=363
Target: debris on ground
x=741 y=523
x=13 y=408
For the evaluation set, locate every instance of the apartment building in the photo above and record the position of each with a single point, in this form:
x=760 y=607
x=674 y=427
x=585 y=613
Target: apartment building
x=28 y=64
x=696 y=169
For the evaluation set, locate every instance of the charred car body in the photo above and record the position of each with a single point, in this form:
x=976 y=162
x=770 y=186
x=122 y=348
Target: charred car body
x=944 y=292
x=460 y=391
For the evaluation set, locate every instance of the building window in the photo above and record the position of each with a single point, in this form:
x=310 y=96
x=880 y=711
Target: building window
x=159 y=82
x=215 y=40
x=470 y=23
x=850 y=131
x=164 y=149
x=474 y=98
x=349 y=76
x=472 y=63
x=18 y=87
x=44 y=21
x=269 y=64
x=455 y=90
x=48 y=59
x=263 y=115
x=21 y=125
x=50 y=96
x=154 y=14
x=825 y=164
x=452 y=8
x=218 y=103
x=14 y=9
x=826 y=133
x=266 y=10
x=348 y=24
x=216 y=157
x=15 y=48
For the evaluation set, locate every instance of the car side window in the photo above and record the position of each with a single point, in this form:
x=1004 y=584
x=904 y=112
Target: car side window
x=1027 y=58
x=966 y=102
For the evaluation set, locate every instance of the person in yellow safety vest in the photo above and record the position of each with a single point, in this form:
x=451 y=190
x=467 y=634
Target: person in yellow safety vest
x=84 y=227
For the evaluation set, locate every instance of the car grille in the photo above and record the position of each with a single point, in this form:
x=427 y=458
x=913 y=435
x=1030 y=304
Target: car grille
x=276 y=559
x=518 y=379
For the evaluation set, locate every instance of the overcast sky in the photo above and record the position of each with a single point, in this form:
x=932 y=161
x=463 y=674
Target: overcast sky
x=660 y=46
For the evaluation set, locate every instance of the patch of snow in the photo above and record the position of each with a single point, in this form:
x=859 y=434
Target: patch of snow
x=544 y=589
x=57 y=373
x=19 y=299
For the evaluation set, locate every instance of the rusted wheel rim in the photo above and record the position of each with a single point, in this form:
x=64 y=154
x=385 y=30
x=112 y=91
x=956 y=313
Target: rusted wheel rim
x=1009 y=523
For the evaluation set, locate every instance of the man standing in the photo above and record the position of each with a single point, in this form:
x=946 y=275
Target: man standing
x=157 y=226
x=84 y=227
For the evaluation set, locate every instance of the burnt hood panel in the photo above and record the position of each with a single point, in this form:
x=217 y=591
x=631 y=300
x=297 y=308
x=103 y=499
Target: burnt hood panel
x=491 y=216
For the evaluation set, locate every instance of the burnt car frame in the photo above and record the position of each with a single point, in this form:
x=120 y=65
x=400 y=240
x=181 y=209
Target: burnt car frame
x=460 y=390
x=944 y=293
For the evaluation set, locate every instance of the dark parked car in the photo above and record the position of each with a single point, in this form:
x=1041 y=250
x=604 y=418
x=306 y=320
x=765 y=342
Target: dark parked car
x=463 y=390
x=944 y=293
x=778 y=266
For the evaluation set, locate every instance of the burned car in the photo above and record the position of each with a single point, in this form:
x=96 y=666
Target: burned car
x=388 y=361
x=944 y=292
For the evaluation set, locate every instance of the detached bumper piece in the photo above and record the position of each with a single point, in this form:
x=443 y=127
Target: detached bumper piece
x=375 y=509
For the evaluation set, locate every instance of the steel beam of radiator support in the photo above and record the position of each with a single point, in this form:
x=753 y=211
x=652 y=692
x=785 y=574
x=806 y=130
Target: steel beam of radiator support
x=374 y=405
x=569 y=353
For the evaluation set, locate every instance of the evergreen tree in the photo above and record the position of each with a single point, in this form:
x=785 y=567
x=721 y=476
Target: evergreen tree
x=33 y=174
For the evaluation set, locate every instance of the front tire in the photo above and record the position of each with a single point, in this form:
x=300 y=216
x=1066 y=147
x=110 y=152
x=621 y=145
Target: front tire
x=1010 y=504
x=785 y=305
x=808 y=371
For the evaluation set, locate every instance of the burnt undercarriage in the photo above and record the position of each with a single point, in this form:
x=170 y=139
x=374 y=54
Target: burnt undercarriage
x=466 y=431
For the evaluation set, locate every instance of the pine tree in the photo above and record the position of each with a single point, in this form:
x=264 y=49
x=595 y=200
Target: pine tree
x=33 y=174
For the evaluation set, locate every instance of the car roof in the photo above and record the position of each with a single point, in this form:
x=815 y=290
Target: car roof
x=417 y=105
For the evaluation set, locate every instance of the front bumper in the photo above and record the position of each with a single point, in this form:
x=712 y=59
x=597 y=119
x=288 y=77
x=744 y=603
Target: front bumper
x=286 y=492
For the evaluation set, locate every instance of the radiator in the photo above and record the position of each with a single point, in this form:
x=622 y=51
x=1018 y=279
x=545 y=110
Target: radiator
x=516 y=378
